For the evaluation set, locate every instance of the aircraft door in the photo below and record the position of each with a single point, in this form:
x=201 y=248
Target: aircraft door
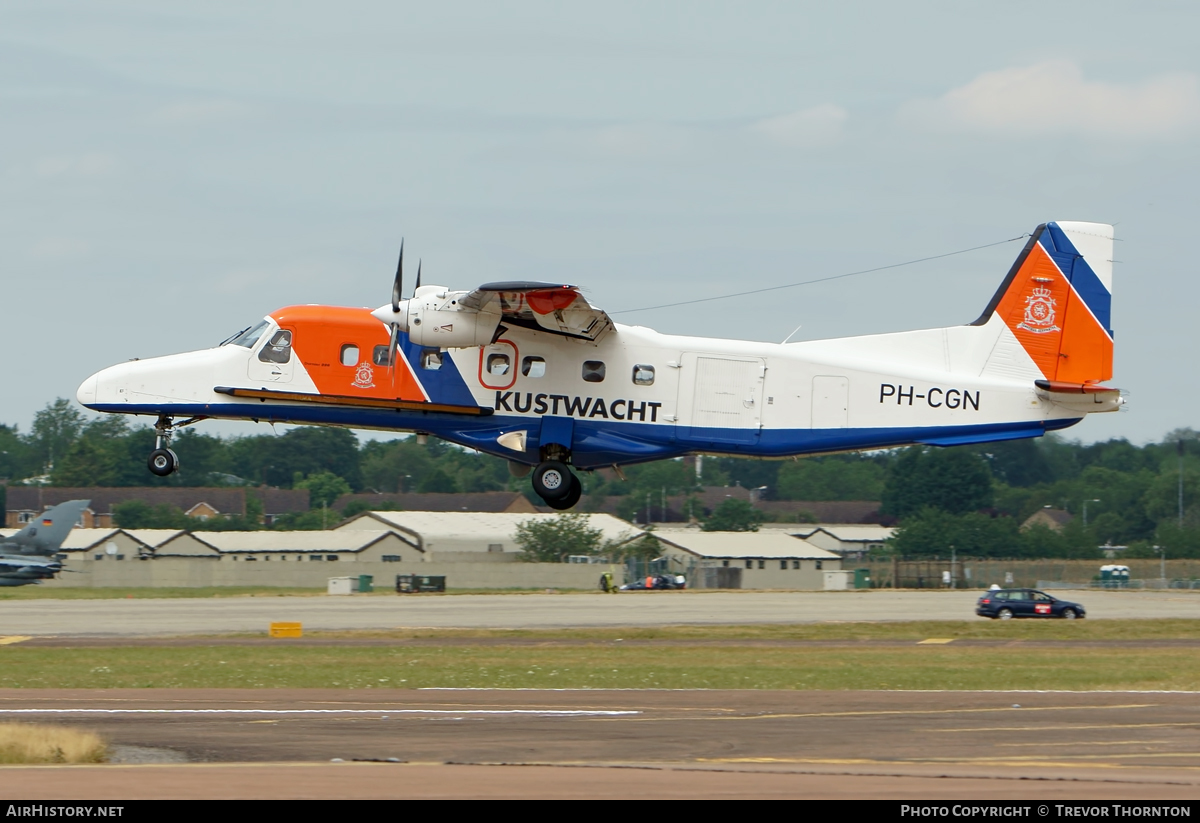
x=274 y=362
x=720 y=401
x=830 y=402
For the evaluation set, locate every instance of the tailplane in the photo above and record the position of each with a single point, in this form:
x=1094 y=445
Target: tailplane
x=1057 y=302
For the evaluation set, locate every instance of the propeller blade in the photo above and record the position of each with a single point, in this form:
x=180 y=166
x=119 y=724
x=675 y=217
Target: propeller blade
x=398 y=284
x=418 y=277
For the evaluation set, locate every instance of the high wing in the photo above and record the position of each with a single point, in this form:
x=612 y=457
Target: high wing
x=552 y=307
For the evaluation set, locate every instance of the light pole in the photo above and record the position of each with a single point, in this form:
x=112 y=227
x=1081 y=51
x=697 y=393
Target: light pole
x=1162 y=563
x=1085 y=502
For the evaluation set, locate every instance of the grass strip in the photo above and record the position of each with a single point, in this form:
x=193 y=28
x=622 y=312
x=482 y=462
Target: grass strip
x=35 y=743
x=602 y=666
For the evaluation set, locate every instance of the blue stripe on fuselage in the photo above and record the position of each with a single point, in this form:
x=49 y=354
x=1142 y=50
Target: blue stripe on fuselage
x=1079 y=273
x=598 y=444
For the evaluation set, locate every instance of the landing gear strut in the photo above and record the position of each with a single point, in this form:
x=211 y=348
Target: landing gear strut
x=163 y=461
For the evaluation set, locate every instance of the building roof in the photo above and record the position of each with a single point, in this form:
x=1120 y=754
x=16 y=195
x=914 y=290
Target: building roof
x=226 y=500
x=83 y=539
x=475 y=525
x=439 y=502
x=294 y=541
x=1053 y=518
x=767 y=544
x=853 y=533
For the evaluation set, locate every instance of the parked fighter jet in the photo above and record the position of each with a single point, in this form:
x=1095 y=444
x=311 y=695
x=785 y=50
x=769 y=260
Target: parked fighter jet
x=30 y=554
x=533 y=373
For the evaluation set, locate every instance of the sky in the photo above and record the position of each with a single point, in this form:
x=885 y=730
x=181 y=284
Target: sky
x=171 y=172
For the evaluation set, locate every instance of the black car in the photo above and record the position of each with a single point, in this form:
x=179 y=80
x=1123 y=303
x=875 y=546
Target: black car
x=1004 y=604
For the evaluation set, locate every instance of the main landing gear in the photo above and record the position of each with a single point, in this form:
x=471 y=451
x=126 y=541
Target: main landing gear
x=163 y=461
x=556 y=484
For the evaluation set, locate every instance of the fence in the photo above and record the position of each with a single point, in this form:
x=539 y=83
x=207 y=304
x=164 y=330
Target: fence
x=980 y=574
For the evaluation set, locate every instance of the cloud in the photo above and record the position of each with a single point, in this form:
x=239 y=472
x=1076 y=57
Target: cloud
x=819 y=125
x=199 y=112
x=803 y=129
x=92 y=164
x=1053 y=98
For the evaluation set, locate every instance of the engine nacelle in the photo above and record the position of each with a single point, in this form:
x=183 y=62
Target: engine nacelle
x=449 y=328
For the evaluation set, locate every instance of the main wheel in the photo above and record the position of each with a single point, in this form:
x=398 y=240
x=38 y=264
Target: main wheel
x=573 y=495
x=163 y=462
x=1005 y=614
x=1069 y=614
x=552 y=480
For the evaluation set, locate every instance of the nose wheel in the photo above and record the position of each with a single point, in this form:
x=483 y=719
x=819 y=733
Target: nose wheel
x=556 y=485
x=164 y=462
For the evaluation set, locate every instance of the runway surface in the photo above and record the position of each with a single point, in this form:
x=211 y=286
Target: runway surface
x=627 y=744
x=148 y=617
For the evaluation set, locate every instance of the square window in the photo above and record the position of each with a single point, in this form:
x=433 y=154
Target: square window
x=331 y=557
x=783 y=564
x=381 y=355
x=431 y=359
x=795 y=564
x=725 y=563
x=643 y=375
x=762 y=564
x=533 y=367
x=818 y=563
x=593 y=371
x=749 y=564
x=498 y=364
x=349 y=355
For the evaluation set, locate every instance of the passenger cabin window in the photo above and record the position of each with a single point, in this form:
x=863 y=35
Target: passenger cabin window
x=278 y=348
x=498 y=364
x=381 y=356
x=593 y=371
x=349 y=355
x=643 y=375
x=533 y=367
x=250 y=336
x=431 y=359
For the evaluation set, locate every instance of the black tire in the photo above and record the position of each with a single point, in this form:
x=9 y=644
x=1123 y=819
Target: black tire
x=552 y=480
x=571 y=499
x=162 y=462
x=1069 y=614
x=1005 y=614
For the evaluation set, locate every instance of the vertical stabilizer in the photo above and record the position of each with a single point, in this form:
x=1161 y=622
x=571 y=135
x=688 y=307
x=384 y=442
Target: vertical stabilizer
x=1057 y=301
x=48 y=530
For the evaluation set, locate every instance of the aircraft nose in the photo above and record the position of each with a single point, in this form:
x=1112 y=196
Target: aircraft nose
x=86 y=395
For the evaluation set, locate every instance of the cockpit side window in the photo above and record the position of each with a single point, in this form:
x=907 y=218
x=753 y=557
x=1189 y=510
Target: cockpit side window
x=278 y=348
x=250 y=336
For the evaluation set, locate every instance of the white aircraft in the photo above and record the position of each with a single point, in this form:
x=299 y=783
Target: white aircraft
x=533 y=373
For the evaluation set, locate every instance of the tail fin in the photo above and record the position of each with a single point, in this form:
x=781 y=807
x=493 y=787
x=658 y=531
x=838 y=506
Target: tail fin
x=49 y=529
x=1057 y=301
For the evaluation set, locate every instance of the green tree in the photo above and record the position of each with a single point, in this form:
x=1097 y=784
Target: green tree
x=550 y=540
x=137 y=514
x=831 y=478
x=55 y=429
x=733 y=515
x=934 y=532
x=323 y=488
x=953 y=480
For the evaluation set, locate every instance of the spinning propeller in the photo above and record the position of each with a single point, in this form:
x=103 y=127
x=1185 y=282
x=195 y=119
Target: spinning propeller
x=397 y=298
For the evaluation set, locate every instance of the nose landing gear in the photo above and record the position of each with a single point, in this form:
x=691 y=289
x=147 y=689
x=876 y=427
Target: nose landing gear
x=163 y=461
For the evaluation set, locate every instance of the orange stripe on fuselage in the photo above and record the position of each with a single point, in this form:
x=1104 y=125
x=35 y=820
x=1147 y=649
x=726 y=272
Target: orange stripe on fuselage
x=318 y=335
x=1053 y=323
